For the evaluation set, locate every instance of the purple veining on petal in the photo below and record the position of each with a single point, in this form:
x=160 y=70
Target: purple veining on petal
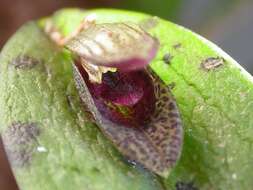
x=125 y=46
x=125 y=98
x=134 y=64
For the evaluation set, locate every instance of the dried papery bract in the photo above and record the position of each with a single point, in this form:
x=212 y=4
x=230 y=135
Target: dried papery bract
x=95 y=72
x=156 y=145
x=212 y=63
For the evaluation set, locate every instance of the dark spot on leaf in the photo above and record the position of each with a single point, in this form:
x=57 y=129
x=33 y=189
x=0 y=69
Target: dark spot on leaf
x=167 y=58
x=70 y=101
x=74 y=169
x=24 y=62
x=95 y=170
x=19 y=140
x=185 y=186
x=177 y=46
x=149 y=23
x=172 y=85
x=212 y=63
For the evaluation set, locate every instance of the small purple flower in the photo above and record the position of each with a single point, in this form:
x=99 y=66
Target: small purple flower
x=129 y=102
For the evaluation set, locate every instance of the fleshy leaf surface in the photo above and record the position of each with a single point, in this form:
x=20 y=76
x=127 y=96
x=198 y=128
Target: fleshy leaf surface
x=215 y=103
x=50 y=141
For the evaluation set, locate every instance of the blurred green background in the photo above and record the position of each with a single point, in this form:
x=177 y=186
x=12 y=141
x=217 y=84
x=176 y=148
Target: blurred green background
x=228 y=23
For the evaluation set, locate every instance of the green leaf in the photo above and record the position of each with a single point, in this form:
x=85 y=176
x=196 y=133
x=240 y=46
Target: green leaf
x=214 y=95
x=162 y=8
x=49 y=140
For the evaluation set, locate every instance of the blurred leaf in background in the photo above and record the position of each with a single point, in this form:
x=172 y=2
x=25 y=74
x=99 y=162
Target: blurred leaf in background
x=167 y=9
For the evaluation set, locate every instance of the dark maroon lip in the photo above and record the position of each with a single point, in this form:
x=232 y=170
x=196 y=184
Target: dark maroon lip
x=123 y=97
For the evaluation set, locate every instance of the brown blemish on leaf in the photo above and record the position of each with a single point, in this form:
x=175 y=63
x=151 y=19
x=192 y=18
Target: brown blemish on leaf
x=167 y=58
x=69 y=100
x=149 y=23
x=24 y=62
x=177 y=46
x=156 y=146
x=172 y=85
x=19 y=140
x=212 y=63
x=185 y=186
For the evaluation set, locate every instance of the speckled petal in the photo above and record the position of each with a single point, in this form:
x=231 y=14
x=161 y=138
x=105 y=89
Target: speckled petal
x=157 y=145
